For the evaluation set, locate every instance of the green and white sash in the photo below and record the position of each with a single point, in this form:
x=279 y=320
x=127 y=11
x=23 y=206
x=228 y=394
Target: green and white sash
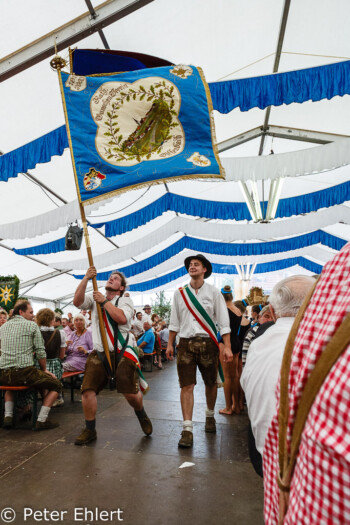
x=130 y=352
x=205 y=321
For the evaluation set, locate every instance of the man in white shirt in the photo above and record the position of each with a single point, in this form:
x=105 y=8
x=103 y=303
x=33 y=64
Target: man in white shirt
x=120 y=310
x=137 y=325
x=262 y=368
x=147 y=312
x=196 y=347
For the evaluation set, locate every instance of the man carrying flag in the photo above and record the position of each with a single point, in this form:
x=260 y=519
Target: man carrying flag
x=197 y=309
x=117 y=312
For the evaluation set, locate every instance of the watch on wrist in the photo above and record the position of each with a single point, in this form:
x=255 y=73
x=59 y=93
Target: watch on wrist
x=104 y=302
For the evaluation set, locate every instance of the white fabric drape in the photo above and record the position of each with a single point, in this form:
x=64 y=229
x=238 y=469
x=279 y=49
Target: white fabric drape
x=291 y=164
x=47 y=222
x=216 y=232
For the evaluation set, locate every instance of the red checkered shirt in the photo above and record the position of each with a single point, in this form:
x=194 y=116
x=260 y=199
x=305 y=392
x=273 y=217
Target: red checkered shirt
x=320 y=488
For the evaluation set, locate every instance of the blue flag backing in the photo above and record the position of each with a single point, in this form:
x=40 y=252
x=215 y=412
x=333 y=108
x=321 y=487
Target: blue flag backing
x=139 y=127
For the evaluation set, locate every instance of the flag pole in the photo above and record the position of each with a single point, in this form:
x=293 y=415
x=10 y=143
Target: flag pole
x=58 y=63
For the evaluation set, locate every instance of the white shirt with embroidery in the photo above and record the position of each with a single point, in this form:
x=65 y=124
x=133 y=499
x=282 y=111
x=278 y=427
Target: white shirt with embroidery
x=184 y=323
x=125 y=304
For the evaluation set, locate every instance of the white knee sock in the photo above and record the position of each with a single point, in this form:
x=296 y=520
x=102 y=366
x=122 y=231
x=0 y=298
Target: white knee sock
x=187 y=425
x=9 y=406
x=209 y=413
x=43 y=414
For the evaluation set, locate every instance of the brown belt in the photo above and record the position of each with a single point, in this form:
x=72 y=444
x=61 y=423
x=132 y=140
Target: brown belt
x=200 y=337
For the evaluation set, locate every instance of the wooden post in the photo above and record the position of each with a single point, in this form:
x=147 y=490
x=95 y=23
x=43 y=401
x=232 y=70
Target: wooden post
x=57 y=63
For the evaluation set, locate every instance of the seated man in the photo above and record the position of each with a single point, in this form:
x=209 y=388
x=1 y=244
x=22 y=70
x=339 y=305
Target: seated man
x=137 y=326
x=262 y=368
x=20 y=339
x=146 y=342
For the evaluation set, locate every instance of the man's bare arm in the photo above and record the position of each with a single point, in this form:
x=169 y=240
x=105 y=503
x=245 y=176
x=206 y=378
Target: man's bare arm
x=170 y=348
x=79 y=295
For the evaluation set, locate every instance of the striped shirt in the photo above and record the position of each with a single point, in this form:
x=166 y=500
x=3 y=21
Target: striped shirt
x=20 y=340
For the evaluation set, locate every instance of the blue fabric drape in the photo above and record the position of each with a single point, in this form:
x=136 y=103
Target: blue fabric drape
x=314 y=201
x=315 y=83
x=49 y=247
x=180 y=204
x=220 y=268
x=209 y=209
x=224 y=210
x=28 y=156
x=220 y=248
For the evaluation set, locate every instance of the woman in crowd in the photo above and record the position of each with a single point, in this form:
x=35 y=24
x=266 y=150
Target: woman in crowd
x=54 y=341
x=3 y=317
x=243 y=329
x=231 y=383
x=157 y=344
x=79 y=346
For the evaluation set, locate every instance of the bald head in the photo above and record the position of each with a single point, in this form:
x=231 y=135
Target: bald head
x=287 y=295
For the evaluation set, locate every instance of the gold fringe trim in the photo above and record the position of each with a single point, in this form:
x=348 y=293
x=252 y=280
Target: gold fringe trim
x=177 y=178
x=212 y=123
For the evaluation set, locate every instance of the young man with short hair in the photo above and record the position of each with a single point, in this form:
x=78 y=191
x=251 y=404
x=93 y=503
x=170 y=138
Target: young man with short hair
x=116 y=310
x=195 y=310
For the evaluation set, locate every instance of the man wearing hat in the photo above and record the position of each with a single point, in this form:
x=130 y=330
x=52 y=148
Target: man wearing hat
x=146 y=316
x=197 y=313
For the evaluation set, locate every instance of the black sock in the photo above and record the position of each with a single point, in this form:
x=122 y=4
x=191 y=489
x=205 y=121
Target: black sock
x=140 y=413
x=90 y=425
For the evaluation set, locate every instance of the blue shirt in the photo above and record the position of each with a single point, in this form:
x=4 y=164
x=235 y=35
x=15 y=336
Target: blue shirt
x=149 y=338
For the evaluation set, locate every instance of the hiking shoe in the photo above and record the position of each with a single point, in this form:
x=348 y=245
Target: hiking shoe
x=8 y=422
x=86 y=437
x=46 y=425
x=145 y=423
x=210 y=424
x=186 y=439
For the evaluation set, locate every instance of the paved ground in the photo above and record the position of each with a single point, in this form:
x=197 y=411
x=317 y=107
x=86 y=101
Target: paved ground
x=125 y=470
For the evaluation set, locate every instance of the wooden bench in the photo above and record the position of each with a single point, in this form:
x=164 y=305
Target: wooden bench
x=17 y=389
x=72 y=376
x=148 y=360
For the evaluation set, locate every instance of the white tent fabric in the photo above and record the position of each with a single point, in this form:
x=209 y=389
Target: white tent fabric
x=290 y=164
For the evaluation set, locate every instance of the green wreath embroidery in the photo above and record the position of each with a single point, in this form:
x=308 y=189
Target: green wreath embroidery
x=152 y=131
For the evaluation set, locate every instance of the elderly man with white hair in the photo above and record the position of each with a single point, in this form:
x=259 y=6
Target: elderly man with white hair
x=262 y=368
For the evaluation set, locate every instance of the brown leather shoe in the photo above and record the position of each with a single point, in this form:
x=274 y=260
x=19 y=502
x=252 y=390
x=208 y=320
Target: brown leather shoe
x=86 y=437
x=210 y=424
x=145 y=422
x=8 y=422
x=186 y=440
x=46 y=425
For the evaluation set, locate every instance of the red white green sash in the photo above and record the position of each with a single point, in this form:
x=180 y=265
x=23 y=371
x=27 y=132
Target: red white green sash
x=202 y=317
x=129 y=353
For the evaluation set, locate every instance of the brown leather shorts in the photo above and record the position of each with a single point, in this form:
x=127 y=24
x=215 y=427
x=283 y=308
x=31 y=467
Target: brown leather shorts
x=193 y=352
x=96 y=378
x=29 y=376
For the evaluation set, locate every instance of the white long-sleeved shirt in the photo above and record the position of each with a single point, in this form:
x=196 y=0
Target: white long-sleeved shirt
x=124 y=303
x=183 y=322
x=260 y=376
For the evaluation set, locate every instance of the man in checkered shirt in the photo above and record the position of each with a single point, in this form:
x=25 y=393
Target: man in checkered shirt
x=320 y=486
x=20 y=339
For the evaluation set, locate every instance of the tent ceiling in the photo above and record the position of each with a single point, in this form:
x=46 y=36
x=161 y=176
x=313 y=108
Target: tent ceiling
x=228 y=40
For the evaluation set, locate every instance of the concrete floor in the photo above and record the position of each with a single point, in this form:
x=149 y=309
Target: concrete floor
x=125 y=470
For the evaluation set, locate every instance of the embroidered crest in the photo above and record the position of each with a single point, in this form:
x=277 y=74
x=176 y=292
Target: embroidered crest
x=8 y=292
x=76 y=83
x=199 y=160
x=137 y=122
x=182 y=71
x=93 y=179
